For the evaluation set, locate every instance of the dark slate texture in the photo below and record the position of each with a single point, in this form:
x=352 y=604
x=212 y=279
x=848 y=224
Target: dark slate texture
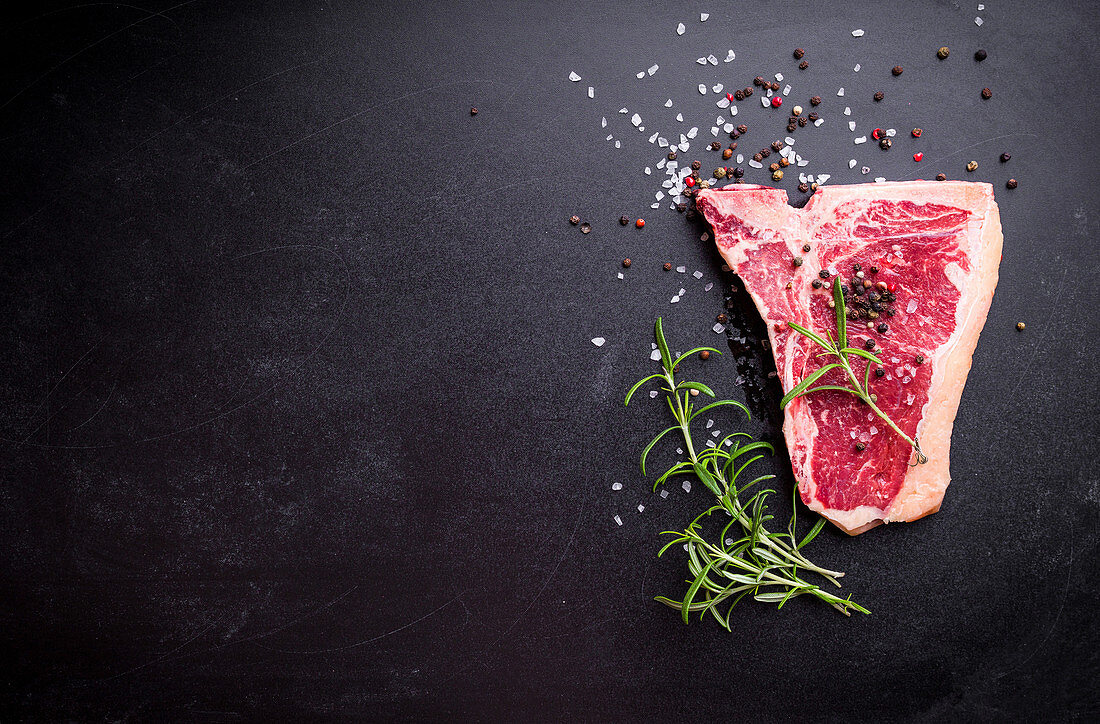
x=300 y=416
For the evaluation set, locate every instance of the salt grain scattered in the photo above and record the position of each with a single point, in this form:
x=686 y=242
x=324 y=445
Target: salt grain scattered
x=851 y=125
x=623 y=110
x=852 y=163
x=755 y=164
x=591 y=92
x=978 y=21
x=981 y=7
x=668 y=103
x=653 y=69
x=712 y=60
x=616 y=486
x=648 y=172
x=636 y=119
x=856 y=69
x=618 y=145
x=687 y=486
x=718 y=328
x=729 y=56
x=880 y=179
x=703 y=17
x=655 y=355
x=573 y=76
x=641 y=74
x=847 y=111
x=621 y=275
x=680 y=117
x=857 y=33
x=664 y=493
x=680 y=29
x=653 y=138
x=710 y=424
x=693 y=132
x=702 y=89
x=640 y=507
x=717 y=87
x=789 y=141
x=911 y=306
x=681 y=269
x=618 y=520
x=861 y=139
x=603 y=122
x=701 y=61
x=598 y=341
x=787 y=89
x=819 y=121
x=708 y=287
x=840 y=92
x=764 y=102
x=610 y=136
x=674 y=300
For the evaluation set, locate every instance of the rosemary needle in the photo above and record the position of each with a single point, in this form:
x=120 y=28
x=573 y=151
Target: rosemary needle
x=745 y=558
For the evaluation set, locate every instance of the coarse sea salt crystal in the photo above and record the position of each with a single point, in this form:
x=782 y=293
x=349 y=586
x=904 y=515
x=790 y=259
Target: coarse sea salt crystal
x=655 y=205
x=714 y=130
x=716 y=433
x=618 y=144
x=697 y=274
x=668 y=103
x=740 y=158
x=710 y=443
x=729 y=56
x=664 y=493
x=710 y=424
x=858 y=66
x=701 y=61
x=880 y=179
x=636 y=119
x=591 y=92
x=641 y=74
x=703 y=17
x=687 y=486
x=618 y=520
x=911 y=306
x=621 y=275
x=755 y=164
x=712 y=60
x=674 y=300
x=662 y=142
x=640 y=507
x=708 y=287
x=851 y=125
x=981 y=7
x=779 y=76
x=616 y=486
x=819 y=121
x=803 y=162
x=822 y=178
x=653 y=138
x=702 y=89
x=685 y=146
x=681 y=269
x=682 y=291
x=718 y=328
x=733 y=110
x=840 y=92
x=852 y=163
x=680 y=29
x=648 y=171
x=598 y=341
x=653 y=69
x=680 y=117
x=659 y=195
x=623 y=110
x=857 y=33
x=609 y=136
x=727 y=127
x=861 y=139
x=787 y=89
x=847 y=111
x=573 y=76
x=603 y=122
x=978 y=21
x=655 y=355
x=765 y=102
x=717 y=87
x=693 y=132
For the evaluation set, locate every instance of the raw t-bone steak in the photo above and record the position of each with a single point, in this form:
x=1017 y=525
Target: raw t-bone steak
x=930 y=252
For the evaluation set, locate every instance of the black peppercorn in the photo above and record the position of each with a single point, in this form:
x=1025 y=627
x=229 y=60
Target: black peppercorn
x=806 y=247
x=765 y=152
x=791 y=127
x=879 y=96
x=739 y=95
x=747 y=91
x=943 y=52
x=623 y=220
x=804 y=65
x=733 y=147
x=813 y=117
x=738 y=172
x=1011 y=183
x=574 y=219
x=715 y=145
x=696 y=165
x=626 y=263
x=816 y=284
x=919 y=359
x=869 y=344
x=860 y=447
x=734 y=134
x=885 y=144
x=824 y=273
x=883 y=328
x=473 y=111
x=897 y=70
x=777 y=145
x=941 y=177
x=758 y=80
x=1005 y=158
x=797 y=261
x=815 y=101
x=667 y=266
x=980 y=55
x=799 y=52
x=801 y=122
x=879 y=372
x=857 y=267
x=757 y=157
x=986 y=93
x=681 y=207
x=742 y=128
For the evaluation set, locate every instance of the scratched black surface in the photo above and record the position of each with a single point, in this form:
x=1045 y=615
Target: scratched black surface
x=300 y=415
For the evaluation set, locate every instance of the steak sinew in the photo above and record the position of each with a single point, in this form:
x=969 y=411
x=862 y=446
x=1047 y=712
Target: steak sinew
x=936 y=247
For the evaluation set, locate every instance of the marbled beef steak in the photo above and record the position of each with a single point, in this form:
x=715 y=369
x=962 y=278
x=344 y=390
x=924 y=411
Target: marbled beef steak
x=930 y=251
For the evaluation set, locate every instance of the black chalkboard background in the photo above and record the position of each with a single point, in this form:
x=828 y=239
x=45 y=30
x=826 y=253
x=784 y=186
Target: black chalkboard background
x=300 y=415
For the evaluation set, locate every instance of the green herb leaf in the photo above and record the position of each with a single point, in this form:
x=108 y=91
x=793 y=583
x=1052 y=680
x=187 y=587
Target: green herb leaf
x=801 y=386
x=690 y=352
x=666 y=357
x=638 y=384
x=841 y=316
x=695 y=386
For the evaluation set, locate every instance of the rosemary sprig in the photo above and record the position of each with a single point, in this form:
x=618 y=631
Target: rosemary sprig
x=746 y=558
x=841 y=351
